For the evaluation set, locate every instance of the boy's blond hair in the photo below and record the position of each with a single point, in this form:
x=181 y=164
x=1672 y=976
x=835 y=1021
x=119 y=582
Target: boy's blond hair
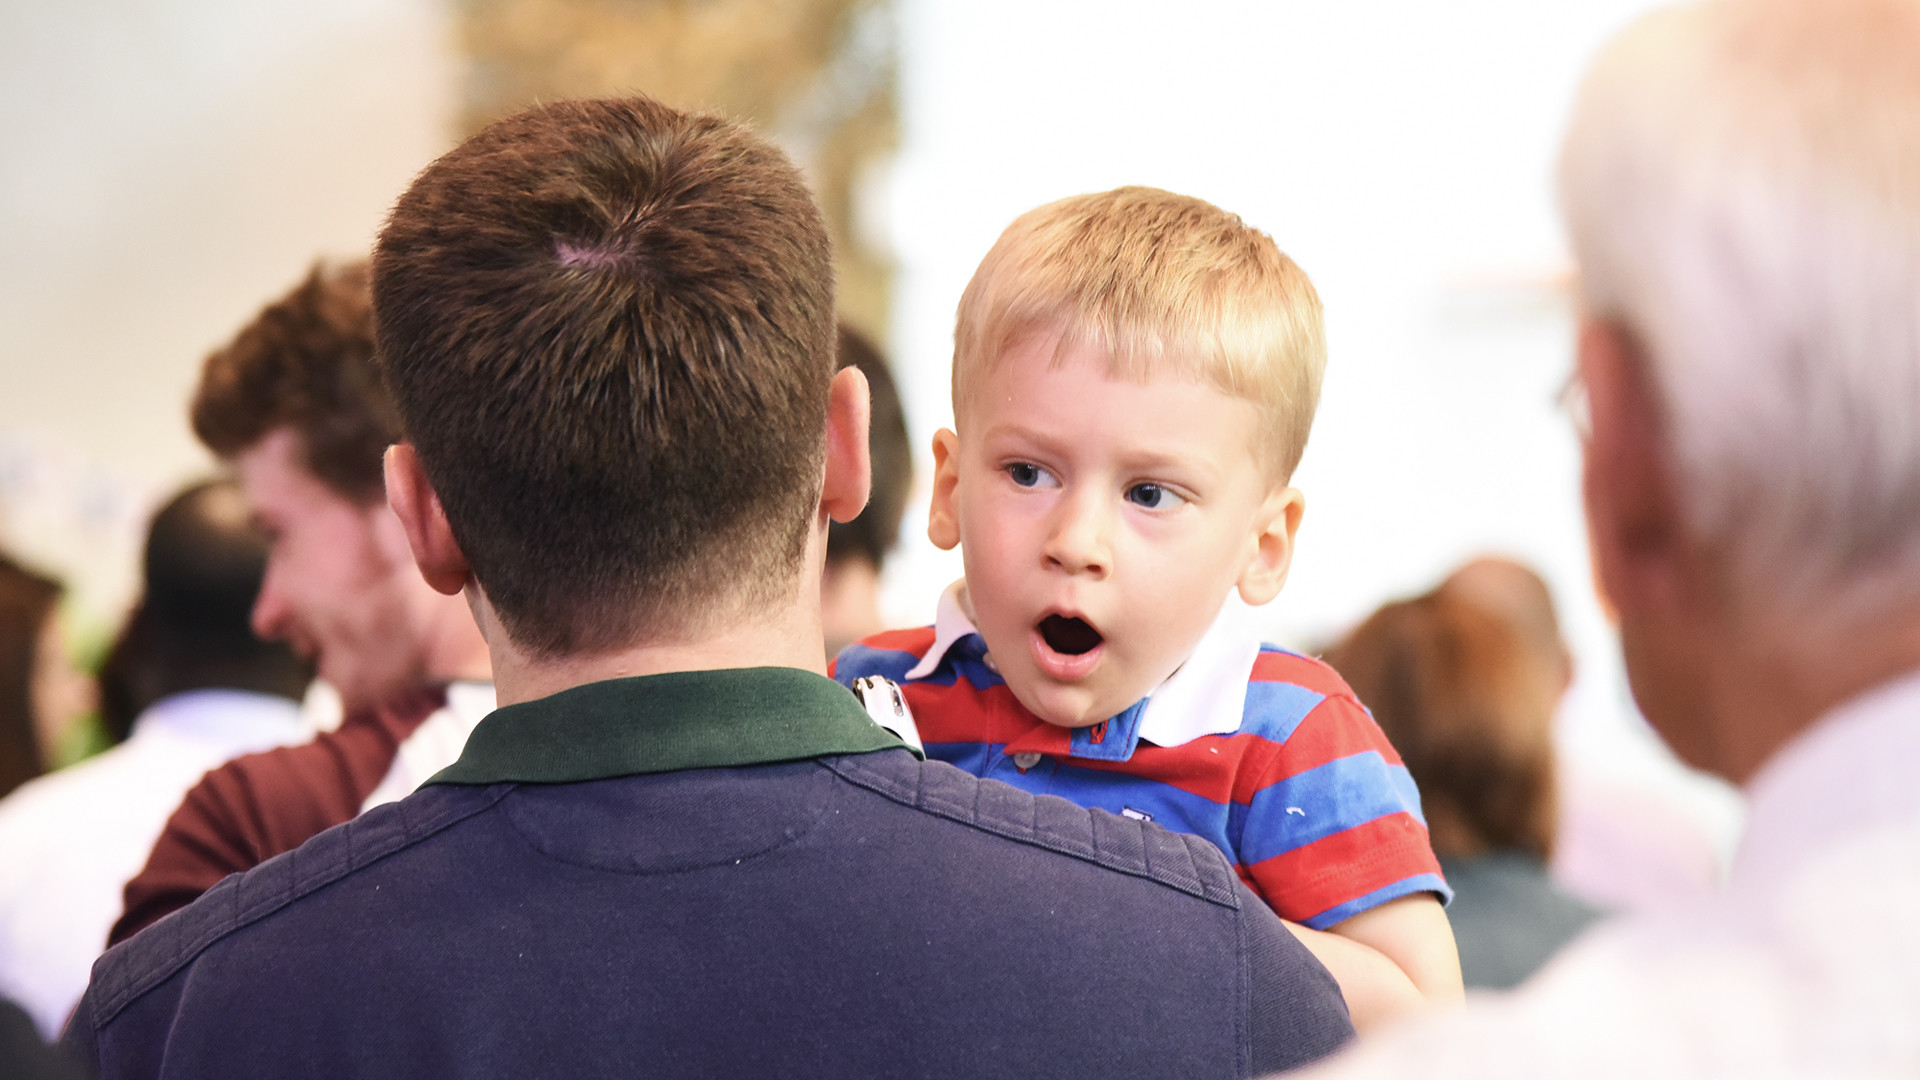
x=1163 y=284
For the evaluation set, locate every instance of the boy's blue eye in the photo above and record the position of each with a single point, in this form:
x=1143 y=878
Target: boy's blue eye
x=1152 y=497
x=1026 y=475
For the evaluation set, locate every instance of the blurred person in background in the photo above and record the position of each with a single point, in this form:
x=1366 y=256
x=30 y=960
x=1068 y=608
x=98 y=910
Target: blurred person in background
x=1741 y=181
x=25 y=1056
x=201 y=689
x=41 y=692
x=857 y=550
x=295 y=405
x=1465 y=680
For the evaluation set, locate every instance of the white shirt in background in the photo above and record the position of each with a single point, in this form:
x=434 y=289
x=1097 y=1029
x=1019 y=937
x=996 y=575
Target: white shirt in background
x=70 y=840
x=435 y=744
x=1806 y=965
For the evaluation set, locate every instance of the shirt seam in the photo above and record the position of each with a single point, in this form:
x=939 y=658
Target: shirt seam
x=813 y=822
x=917 y=798
x=105 y=1012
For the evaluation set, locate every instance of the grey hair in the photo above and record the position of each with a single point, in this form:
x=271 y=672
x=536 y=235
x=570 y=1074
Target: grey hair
x=1741 y=183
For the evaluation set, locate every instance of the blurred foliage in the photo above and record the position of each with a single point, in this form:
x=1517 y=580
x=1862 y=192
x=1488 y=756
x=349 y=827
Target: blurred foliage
x=816 y=75
x=82 y=739
x=88 y=641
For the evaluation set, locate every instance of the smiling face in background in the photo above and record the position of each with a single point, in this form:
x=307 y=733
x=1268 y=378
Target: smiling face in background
x=339 y=576
x=1102 y=523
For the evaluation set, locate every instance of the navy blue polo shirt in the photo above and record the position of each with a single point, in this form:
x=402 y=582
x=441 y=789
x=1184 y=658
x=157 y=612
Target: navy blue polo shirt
x=719 y=873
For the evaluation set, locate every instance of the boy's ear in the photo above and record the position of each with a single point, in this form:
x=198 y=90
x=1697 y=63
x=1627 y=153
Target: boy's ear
x=943 y=518
x=1271 y=544
x=417 y=505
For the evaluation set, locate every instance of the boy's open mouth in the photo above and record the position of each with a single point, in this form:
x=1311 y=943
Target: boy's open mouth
x=1069 y=635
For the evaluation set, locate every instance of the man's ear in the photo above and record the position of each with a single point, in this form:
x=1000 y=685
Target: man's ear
x=1634 y=519
x=849 y=472
x=417 y=505
x=943 y=518
x=1272 y=545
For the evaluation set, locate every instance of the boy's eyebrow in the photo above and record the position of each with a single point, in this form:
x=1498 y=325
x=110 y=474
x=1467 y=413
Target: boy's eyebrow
x=1143 y=459
x=1007 y=429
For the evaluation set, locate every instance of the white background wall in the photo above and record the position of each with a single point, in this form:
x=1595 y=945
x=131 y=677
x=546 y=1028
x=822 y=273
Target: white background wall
x=166 y=166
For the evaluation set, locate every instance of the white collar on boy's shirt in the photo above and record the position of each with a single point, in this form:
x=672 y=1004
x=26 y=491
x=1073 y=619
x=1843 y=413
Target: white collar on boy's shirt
x=1206 y=695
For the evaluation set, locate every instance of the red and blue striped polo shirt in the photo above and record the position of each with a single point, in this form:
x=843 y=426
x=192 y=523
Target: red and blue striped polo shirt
x=1264 y=752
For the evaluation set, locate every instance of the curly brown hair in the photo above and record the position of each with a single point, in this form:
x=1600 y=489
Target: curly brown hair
x=306 y=363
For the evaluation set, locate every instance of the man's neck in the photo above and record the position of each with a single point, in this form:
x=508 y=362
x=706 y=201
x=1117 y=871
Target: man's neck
x=792 y=639
x=454 y=650
x=1771 y=688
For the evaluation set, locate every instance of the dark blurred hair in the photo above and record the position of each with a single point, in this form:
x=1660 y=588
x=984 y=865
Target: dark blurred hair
x=306 y=363
x=872 y=535
x=608 y=326
x=27 y=600
x=191 y=629
x=1468 y=701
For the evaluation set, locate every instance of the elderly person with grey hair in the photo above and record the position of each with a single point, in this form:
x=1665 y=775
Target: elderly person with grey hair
x=1742 y=186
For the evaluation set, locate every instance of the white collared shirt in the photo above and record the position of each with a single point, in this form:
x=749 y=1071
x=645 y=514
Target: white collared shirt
x=70 y=840
x=1806 y=965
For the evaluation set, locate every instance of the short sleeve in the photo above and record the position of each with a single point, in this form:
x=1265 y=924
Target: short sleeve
x=1334 y=827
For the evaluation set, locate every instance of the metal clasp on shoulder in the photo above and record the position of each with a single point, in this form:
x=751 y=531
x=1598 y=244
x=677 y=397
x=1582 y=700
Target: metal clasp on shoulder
x=888 y=707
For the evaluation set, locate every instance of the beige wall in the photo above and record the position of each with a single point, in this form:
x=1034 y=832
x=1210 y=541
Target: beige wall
x=167 y=167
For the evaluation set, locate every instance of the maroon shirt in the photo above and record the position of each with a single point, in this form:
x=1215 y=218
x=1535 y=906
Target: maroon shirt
x=260 y=805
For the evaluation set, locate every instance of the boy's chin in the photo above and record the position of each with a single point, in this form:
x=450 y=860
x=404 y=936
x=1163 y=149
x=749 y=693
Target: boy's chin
x=1071 y=706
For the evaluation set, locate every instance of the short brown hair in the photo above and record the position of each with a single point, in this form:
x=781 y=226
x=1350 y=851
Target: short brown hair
x=1468 y=701
x=1162 y=283
x=306 y=363
x=608 y=326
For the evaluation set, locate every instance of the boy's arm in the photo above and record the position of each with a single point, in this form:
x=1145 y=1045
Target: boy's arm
x=1333 y=820
x=1390 y=960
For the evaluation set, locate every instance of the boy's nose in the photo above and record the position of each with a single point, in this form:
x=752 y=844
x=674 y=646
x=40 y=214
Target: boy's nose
x=1078 y=541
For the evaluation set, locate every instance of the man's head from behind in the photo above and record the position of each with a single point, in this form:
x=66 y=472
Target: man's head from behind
x=204 y=562
x=295 y=404
x=1465 y=681
x=1742 y=188
x=608 y=327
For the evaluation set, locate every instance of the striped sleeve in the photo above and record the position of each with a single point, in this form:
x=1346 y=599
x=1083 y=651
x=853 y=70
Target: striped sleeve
x=1333 y=824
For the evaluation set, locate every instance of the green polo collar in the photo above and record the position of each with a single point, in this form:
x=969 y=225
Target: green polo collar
x=664 y=723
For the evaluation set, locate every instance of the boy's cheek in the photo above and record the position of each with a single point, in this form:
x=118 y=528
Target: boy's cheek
x=996 y=524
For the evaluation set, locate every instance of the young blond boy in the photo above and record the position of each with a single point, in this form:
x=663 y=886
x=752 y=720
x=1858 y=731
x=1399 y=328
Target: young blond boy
x=1134 y=377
